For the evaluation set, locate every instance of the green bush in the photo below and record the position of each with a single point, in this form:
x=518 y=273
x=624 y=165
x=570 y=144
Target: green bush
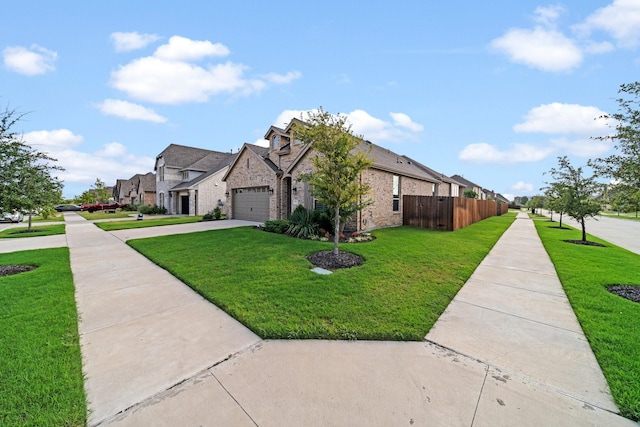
x=151 y=210
x=217 y=213
x=302 y=224
x=278 y=226
x=130 y=208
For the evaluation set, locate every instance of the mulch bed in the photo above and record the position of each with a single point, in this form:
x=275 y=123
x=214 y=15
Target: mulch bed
x=584 y=242
x=329 y=261
x=6 y=270
x=626 y=291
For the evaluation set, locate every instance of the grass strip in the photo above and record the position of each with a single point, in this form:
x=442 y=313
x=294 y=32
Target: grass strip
x=609 y=322
x=125 y=225
x=40 y=362
x=43 y=230
x=264 y=280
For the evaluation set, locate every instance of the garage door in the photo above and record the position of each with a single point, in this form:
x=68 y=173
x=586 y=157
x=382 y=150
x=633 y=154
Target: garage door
x=251 y=204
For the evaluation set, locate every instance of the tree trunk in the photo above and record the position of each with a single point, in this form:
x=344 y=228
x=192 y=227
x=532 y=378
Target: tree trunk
x=29 y=228
x=561 y=220
x=584 y=230
x=336 y=231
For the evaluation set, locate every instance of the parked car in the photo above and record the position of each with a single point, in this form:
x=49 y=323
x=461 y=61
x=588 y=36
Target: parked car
x=12 y=217
x=67 y=208
x=110 y=206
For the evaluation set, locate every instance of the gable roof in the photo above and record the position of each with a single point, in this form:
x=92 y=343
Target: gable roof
x=261 y=152
x=181 y=156
x=215 y=164
x=466 y=182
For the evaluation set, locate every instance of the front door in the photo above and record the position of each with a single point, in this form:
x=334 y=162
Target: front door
x=184 y=202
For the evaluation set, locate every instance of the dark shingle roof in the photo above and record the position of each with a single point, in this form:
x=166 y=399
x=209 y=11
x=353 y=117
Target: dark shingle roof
x=181 y=156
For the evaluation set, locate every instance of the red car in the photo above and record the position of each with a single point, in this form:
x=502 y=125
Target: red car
x=110 y=206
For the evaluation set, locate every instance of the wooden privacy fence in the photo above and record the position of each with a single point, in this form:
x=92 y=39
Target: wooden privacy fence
x=447 y=213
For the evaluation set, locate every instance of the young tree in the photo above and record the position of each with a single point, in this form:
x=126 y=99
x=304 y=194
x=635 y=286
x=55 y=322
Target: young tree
x=101 y=192
x=556 y=199
x=26 y=184
x=624 y=166
x=578 y=190
x=338 y=164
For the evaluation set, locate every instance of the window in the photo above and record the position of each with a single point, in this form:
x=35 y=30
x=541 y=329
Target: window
x=185 y=175
x=162 y=200
x=455 y=190
x=275 y=141
x=161 y=173
x=396 y=193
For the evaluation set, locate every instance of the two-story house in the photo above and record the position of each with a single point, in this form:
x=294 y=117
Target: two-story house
x=189 y=180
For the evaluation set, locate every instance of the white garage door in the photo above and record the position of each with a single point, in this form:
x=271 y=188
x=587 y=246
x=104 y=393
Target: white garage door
x=251 y=204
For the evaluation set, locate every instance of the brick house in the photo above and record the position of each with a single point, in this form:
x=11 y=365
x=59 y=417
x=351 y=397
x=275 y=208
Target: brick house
x=468 y=185
x=189 y=179
x=262 y=182
x=138 y=190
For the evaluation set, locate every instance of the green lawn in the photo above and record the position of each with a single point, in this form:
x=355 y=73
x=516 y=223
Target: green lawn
x=36 y=231
x=264 y=280
x=147 y=222
x=40 y=361
x=611 y=323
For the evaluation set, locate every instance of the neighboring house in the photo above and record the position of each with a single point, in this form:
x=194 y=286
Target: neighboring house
x=468 y=185
x=189 y=180
x=263 y=182
x=491 y=195
x=143 y=189
x=121 y=191
x=137 y=190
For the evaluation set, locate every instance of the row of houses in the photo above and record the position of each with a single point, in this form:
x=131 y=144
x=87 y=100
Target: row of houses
x=262 y=183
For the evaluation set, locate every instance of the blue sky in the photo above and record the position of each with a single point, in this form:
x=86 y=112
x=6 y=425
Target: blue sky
x=494 y=91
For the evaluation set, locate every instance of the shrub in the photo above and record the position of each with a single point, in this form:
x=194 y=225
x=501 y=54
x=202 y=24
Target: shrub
x=217 y=213
x=151 y=210
x=302 y=224
x=130 y=208
x=278 y=226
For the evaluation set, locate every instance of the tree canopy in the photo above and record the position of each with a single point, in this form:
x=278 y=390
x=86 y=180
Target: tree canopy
x=26 y=183
x=470 y=194
x=337 y=165
x=575 y=192
x=624 y=166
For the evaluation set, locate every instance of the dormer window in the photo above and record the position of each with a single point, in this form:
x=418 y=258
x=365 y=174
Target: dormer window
x=185 y=175
x=275 y=141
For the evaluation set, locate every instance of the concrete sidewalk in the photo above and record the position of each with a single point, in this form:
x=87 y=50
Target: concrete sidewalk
x=507 y=351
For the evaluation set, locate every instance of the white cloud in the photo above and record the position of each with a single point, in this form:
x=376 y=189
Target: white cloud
x=171 y=75
x=111 y=162
x=262 y=142
x=43 y=140
x=547 y=15
x=402 y=128
x=544 y=49
x=125 y=42
x=558 y=118
x=522 y=186
x=30 y=61
x=403 y=120
x=587 y=148
x=129 y=111
x=620 y=19
x=364 y=124
x=184 y=49
x=519 y=153
x=282 y=78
